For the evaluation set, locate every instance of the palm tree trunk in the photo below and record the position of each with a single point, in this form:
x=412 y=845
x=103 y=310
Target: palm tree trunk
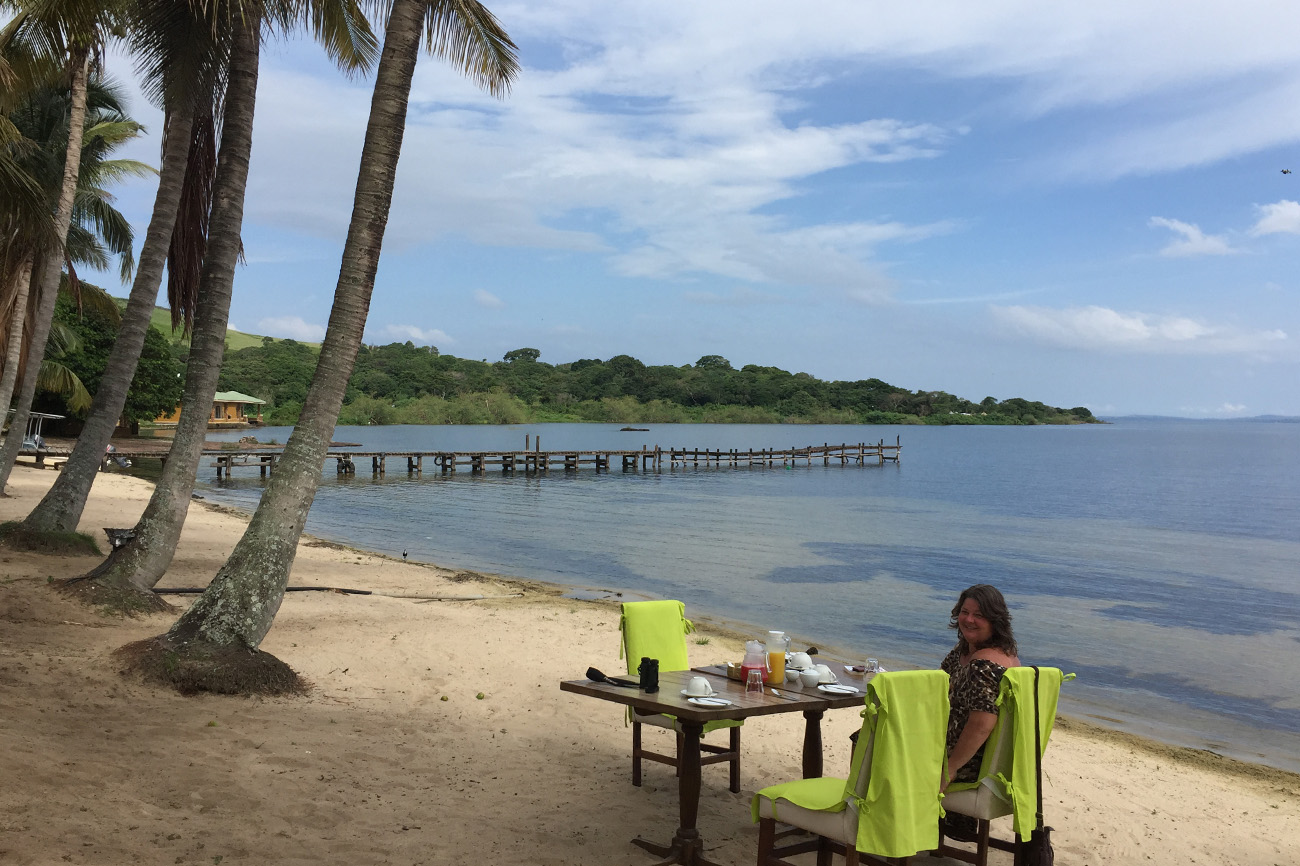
x=138 y=566
x=61 y=508
x=47 y=287
x=240 y=604
x=14 y=347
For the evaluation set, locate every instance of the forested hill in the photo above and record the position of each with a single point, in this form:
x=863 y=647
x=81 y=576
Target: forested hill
x=406 y=384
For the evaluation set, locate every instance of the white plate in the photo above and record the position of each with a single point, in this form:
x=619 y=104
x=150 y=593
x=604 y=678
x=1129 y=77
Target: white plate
x=836 y=689
x=709 y=702
x=854 y=670
x=687 y=694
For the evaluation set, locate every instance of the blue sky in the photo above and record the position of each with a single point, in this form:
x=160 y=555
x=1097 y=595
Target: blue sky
x=1082 y=205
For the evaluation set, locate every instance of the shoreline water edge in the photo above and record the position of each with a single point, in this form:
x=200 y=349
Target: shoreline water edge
x=1115 y=544
x=426 y=717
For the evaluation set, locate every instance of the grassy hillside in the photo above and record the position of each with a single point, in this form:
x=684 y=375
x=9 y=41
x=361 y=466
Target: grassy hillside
x=235 y=340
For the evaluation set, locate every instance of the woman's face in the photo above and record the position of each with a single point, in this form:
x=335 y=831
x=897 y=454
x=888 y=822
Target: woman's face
x=974 y=628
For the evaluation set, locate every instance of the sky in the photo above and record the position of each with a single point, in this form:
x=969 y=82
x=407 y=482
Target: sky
x=1081 y=204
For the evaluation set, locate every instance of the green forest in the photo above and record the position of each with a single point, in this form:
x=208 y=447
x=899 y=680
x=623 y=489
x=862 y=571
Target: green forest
x=401 y=383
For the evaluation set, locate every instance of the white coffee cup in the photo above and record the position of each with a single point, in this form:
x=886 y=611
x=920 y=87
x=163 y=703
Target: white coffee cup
x=699 y=687
x=824 y=674
x=801 y=661
x=810 y=677
x=792 y=675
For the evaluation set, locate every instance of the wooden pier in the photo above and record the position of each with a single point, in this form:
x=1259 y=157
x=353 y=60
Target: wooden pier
x=534 y=460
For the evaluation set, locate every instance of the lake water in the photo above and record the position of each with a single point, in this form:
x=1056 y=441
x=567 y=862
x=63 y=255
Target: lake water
x=1156 y=559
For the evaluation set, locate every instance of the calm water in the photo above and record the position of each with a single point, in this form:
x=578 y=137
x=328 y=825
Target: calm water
x=1157 y=559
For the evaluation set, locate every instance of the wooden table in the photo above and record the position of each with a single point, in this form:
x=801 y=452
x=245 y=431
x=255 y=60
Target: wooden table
x=686 y=846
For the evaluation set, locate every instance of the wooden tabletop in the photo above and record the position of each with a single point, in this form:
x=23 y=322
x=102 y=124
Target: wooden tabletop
x=669 y=698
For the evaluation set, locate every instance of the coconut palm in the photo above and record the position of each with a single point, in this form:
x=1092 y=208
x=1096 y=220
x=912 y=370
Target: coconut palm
x=181 y=55
x=44 y=35
x=213 y=645
x=97 y=231
x=127 y=576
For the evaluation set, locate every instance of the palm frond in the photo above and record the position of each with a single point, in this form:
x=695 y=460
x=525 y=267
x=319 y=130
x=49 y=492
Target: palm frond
x=89 y=297
x=116 y=170
x=469 y=37
x=62 y=342
x=111 y=132
x=84 y=248
x=341 y=27
x=58 y=379
x=190 y=234
x=110 y=226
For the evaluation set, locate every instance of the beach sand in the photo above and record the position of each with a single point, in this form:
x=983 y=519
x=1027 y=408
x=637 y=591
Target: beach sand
x=394 y=759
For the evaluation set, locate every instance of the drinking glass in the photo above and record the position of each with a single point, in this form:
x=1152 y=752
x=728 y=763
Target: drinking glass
x=872 y=667
x=755 y=682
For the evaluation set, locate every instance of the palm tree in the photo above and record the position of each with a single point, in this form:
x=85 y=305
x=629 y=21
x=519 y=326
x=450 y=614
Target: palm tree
x=181 y=55
x=213 y=646
x=63 y=34
x=125 y=579
x=96 y=231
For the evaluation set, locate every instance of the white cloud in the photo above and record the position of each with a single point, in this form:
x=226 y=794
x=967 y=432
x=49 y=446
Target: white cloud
x=1280 y=217
x=677 y=143
x=292 y=327
x=1102 y=328
x=1231 y=409
x=486 y=299
x=418 y=336
x=1193 y=242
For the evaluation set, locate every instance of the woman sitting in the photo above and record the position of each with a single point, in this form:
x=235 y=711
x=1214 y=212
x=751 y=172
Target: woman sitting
x=985 y=649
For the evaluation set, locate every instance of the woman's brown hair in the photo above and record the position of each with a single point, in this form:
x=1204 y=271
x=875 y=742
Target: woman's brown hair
x=993 y=607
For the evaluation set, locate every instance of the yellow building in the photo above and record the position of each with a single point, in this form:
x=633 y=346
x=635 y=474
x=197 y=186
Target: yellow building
x=230 y=410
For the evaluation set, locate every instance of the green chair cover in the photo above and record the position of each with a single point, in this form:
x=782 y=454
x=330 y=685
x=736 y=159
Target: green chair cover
x=658 y=630
x=904 y=724
x=1017 y=690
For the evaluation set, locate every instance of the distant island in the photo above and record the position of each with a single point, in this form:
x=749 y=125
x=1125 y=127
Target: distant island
x=401 y=383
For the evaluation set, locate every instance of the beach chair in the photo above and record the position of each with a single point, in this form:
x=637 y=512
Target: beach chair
x=1007 y=784
x=657 y=630
x=888 y=807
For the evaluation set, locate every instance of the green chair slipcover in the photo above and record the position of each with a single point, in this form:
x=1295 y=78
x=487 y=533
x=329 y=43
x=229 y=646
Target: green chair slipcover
x=657 y=630
x=1007 y=783
x=889 y=804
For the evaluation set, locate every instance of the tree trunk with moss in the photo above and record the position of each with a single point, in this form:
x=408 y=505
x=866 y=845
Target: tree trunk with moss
x=47 y=286
x=60 y=509
x=127 y=577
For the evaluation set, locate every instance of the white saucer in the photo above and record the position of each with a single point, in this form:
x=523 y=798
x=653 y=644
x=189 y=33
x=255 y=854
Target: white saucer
x=836 y=689
x=687 y=694
x=709 y=702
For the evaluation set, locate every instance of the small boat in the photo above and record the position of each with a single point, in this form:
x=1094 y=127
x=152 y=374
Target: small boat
x=634 y=429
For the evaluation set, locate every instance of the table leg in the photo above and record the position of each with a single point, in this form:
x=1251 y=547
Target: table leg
x=687 y=847
x=812 y=744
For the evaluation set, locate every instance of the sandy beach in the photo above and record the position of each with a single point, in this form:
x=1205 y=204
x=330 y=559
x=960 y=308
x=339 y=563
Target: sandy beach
x=394 y=758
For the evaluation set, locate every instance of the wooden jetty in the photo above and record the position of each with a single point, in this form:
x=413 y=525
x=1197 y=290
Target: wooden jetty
x=534 y=460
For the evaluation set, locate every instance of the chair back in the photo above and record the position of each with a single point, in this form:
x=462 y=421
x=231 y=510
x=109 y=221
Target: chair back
x=999 y=753
x=1013 y=765
x=656 y=629
x=895 y=774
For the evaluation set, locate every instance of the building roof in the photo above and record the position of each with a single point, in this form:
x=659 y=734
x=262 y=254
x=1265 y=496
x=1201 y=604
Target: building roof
x=234 y=397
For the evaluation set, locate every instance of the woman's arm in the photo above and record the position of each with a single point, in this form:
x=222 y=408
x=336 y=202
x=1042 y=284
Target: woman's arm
x=978 y=727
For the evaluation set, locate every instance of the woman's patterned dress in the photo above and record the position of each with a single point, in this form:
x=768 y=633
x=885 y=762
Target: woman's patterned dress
x=971 y=688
